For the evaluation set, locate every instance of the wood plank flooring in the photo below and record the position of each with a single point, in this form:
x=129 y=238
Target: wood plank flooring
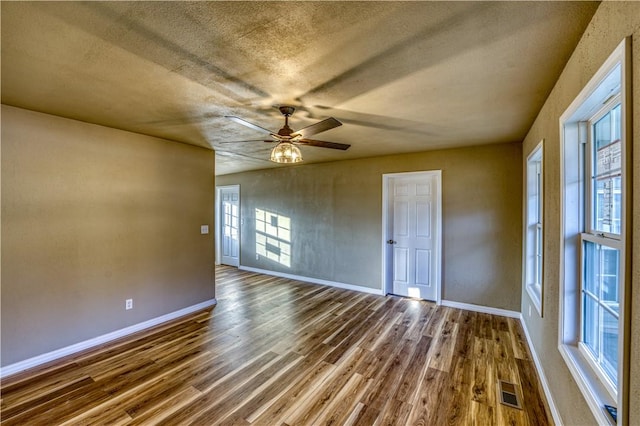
x=280 y=352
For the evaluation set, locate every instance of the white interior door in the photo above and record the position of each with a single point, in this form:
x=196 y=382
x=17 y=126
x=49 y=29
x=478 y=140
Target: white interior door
x=413 y=235
x=229 y=225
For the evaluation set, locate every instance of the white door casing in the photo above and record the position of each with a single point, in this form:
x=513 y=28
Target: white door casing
x=412 y=228
x=229 y=224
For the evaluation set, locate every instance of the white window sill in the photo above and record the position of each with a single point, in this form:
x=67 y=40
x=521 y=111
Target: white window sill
x=594 y=391
x=534 y=295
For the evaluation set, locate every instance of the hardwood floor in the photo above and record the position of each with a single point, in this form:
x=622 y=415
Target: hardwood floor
x=281 y=352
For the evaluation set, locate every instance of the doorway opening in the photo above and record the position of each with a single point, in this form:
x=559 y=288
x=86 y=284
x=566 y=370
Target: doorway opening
x=228 y=225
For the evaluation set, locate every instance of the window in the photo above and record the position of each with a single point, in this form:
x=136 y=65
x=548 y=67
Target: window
x=600 y=308
x=605 y=148
x=601 y=244
x=533 y=227
x=594 y=263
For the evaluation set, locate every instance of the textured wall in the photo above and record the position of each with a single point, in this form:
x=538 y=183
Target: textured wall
x=92 y=216
x=336 y=219
x=612 y=22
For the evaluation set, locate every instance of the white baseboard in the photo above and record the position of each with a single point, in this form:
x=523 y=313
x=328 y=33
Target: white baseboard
x=87 y=344
x=314 y=280
x=480 y=308
x=543 y=379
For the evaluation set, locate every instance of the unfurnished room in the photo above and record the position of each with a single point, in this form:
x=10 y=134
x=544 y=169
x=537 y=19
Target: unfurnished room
x=320 y=213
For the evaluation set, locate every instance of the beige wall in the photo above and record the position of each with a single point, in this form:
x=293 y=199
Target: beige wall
x=612 y=22
x=336 y=214
x=92 y=216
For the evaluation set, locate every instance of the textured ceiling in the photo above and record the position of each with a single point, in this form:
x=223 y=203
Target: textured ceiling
x=401 y=76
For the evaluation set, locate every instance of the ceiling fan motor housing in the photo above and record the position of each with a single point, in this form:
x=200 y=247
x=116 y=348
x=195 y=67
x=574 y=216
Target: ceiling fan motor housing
x=285 y=131
x=287 y=110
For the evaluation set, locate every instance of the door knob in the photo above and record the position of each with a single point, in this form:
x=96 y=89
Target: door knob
x=390 y=242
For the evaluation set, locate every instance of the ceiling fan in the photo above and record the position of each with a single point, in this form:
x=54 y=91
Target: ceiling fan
x=286 y=151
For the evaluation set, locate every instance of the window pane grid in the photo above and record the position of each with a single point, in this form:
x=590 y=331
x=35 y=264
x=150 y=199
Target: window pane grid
x=606 y=179
x=600 y=305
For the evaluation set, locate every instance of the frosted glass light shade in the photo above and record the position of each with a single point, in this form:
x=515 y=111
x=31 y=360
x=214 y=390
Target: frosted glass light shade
x=286 y=152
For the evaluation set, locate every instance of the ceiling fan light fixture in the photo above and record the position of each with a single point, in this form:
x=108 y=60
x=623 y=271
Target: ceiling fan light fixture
x=286 y=152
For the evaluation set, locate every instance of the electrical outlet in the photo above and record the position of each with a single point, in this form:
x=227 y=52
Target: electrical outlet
x=128 y=304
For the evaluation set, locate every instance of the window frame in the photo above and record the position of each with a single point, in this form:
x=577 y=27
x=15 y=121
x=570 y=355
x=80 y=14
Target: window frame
x=608 y=106
x=594 y=235
x=588 y=354
x=615 y=73
x=534 y=237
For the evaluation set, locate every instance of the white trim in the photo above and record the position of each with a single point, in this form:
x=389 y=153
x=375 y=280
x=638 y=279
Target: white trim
x=536 y=154
x=543 y=379
x=587 y=103
x=314 y=280
x=481 y=309
x=535 y=297
x=90 y=343
x=386 y=229
x=587 y=355
x=592 y=390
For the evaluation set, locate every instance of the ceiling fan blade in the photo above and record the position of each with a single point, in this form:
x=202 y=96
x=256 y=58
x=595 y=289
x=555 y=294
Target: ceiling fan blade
x=248 y=140
x=375 y=121
x=323 y=144
x=246 y=123
x=236 y=155
x=320 y=126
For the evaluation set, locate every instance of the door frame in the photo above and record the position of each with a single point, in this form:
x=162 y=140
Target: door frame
x=387 y=229
x=218 y=222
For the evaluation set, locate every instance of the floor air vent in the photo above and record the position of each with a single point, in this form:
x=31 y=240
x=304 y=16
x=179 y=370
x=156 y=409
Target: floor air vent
x=508 y=395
